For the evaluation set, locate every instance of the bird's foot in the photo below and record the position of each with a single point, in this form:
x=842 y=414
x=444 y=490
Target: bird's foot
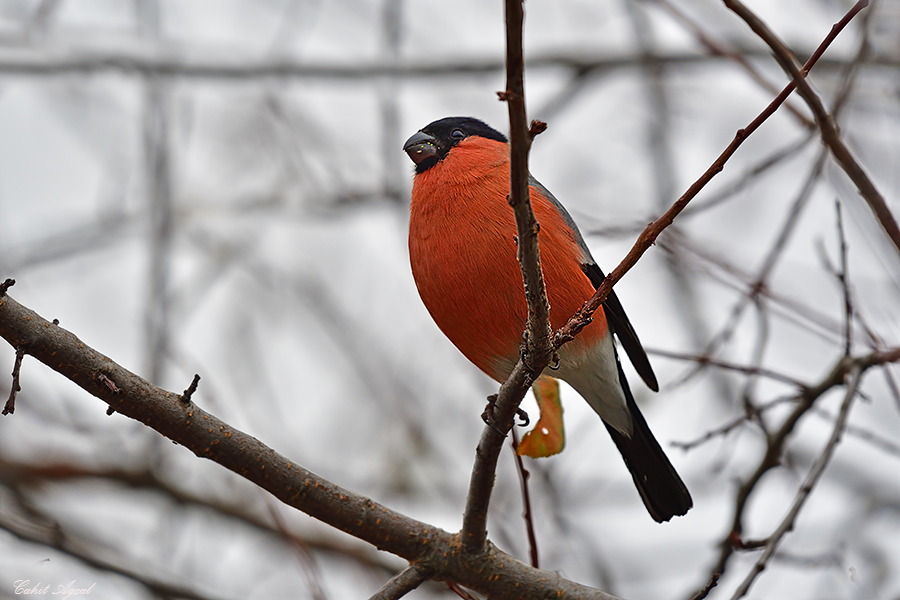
x=488 y=415
x=554 y=362
x=523 y=416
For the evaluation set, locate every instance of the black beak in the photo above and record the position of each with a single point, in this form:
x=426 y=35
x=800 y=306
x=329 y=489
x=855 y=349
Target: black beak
x=420 y=147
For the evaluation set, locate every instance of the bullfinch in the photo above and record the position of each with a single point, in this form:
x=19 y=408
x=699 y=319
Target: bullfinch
x=462 y=248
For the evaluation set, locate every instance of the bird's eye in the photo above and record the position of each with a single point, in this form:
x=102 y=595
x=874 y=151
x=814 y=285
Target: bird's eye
x=457 y=134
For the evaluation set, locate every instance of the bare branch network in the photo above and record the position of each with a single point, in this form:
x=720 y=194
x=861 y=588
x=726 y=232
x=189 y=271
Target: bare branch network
x=469 y=562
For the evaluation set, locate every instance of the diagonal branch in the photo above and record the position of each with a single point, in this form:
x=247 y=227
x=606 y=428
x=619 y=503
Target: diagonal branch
x=489 y=571
x=719 y=49
x=648 y=237
x=815 y=473
x=830 y=134
x=402 y=583
x=777 y=440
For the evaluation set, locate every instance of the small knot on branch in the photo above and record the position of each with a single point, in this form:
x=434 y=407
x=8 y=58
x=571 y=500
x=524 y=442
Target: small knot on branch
x=186 y=396
x=111 y=385
x=505 y=95
x=713 y=580
x=568 y=332
x=105 y=380
x=6 y=285
x=537 y=128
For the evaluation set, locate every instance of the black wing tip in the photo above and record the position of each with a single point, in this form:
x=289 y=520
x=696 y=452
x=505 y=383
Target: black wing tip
x=661 y=489
x=651 y=382
x=676 y=505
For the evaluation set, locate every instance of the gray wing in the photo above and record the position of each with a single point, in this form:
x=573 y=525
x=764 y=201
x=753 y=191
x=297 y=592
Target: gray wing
x=612 y=307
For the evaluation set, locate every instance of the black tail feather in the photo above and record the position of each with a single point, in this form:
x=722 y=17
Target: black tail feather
x=662 y=490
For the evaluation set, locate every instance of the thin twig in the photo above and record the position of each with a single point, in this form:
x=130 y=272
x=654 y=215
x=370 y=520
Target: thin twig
x=815 y=473
x=719 y=49
x=703 y=593
x=402 y=583
x=775 y=443
x=843 y=280
x=730 y=426
x=524 y=475
x=4 y=287
x=648 y=237
x=10 y=406
x=728 y=366
x=189 y=392
x=830 y=134
x=863 y=54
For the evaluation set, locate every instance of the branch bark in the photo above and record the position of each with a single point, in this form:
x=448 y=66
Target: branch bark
x=490 y=571
x=538 y=349
x=402 y=583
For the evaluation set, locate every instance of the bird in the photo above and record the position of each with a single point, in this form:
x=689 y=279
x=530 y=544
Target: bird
x=462 y=250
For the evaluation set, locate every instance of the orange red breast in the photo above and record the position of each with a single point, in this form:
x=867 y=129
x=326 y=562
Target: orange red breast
x=462 y=247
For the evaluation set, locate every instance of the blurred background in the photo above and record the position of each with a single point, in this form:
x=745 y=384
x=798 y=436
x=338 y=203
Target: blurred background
x=219 y=188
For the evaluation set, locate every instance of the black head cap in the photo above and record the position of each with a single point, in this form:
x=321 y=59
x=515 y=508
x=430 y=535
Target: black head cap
x=432 y=143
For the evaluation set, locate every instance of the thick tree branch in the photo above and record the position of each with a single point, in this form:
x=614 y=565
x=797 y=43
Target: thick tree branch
x=490 y=571
x=208 y=437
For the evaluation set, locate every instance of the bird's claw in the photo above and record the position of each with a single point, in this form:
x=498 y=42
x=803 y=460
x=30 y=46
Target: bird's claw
x=554 y=362
x=523 y=416
x=488 y=415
